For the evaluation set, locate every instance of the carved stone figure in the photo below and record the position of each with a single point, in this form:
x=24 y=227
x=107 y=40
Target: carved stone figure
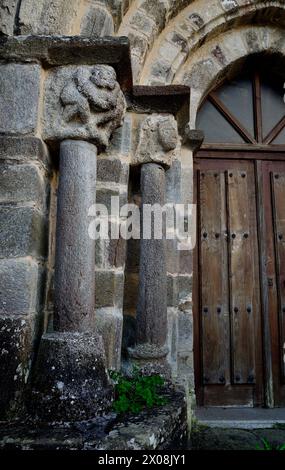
x=83 y=102
x=158 y=140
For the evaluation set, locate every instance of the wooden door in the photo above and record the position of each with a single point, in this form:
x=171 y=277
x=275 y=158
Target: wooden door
x=271 y=176
x=228 y=333
x=239 y=294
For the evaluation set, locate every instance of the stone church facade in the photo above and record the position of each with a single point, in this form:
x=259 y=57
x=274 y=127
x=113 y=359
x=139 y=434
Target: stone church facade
x=102 y=99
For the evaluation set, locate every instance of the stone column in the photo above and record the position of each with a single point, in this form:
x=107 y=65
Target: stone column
x=75 y=250
x=155 y=152
x=152 y=303
x=70 y=381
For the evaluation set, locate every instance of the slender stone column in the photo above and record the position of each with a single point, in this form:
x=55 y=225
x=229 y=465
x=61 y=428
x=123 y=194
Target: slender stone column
x=75 y=250
x=152 y=303
x=155 y=152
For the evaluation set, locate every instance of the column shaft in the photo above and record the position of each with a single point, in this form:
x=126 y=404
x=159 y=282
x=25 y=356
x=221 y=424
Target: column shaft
x=152 y=303
x=75 y=250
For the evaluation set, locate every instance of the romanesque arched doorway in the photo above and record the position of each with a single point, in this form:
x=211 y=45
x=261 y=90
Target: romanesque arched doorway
x=240 y=256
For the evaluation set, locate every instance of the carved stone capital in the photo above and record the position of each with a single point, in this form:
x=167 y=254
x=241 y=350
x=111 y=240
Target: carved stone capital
x=193 y=138
x=83 y=102
x=158 y=140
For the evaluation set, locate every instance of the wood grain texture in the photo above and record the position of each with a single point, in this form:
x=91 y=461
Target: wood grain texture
x=242 y=277
x=278 y=191
x=214 y=280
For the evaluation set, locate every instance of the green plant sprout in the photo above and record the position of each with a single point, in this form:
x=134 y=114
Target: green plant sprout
x=268 y=446
x=133 y=394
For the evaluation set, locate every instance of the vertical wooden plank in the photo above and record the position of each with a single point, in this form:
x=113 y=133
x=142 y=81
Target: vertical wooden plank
x=242 y=281
x=214 y=281
x=278 y=190
x=264 y=265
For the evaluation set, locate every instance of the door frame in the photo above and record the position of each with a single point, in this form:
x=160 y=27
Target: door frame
x=257 y=155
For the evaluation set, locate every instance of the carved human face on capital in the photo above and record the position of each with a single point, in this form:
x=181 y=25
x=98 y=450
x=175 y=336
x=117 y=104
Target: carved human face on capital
x=104 y=76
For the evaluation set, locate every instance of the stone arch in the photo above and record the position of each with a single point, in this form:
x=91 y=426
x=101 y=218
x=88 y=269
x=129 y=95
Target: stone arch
x=205 y=69
x=188 y=30
x=143 y=23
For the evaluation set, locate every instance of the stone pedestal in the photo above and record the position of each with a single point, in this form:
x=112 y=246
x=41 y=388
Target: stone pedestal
x=70 y=381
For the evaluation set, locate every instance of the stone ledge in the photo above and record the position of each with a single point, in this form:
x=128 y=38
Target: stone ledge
x=52 y=51
x=160 y=99
x=157 y=429
x=75 y=50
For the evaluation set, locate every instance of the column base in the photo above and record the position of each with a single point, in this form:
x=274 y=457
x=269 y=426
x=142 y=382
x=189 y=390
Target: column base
x=151 y=359
x=70 y=381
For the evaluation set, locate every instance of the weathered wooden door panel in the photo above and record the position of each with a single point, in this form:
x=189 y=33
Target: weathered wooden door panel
x=278 y=203
x=271 y=177
x=241 y=275
x=214 y=280
x=228 y=338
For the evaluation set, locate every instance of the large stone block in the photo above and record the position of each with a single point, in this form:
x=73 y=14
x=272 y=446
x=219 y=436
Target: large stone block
x=23 y=232
x=21 y=286
x=109 y=324
x=23 y=183
x=111 y=169
x=172 y=256
x=69 y=381
x=186 y=261
x=109 y=290
x=185 y=283
x=97 y=21
x=104 y=196
x=141 y=22
x=117 y=253
x=19 y=98
x=8 y=10
x=23 y=149
x=17 y=336
x=173 y=183
x=162 y=428
x=131 y=293
x=139 y=44
x=172 y=290
x=185 y=324
x=47 y=17
x=121 y=141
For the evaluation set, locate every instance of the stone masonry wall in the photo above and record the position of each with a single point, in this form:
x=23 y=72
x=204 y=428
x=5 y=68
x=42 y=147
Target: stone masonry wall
x=24 y=206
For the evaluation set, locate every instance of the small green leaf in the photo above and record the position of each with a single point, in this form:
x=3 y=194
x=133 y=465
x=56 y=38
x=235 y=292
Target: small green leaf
x=136 y=392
